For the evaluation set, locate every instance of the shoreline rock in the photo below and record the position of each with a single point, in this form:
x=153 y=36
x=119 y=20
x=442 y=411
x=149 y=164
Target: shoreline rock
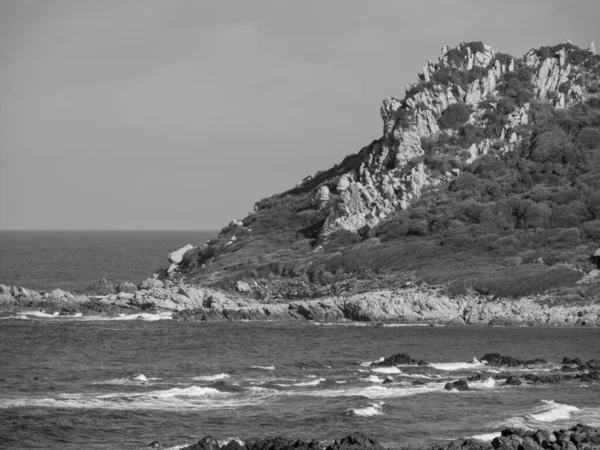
x=578 y=437
x=415 y=305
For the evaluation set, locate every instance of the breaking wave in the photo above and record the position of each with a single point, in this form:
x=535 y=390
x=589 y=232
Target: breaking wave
x=374 y=409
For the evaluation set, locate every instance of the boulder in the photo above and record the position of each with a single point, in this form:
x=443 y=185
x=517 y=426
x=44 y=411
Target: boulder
x=460 y=385
x=242 y=286
x=398 y=359
x=177 y=256
x=206 y=443
x=513 y=381
x=355 y=441
x=496 y=359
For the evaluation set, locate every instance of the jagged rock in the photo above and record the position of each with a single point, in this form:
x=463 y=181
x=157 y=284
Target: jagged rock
x=513 y=381
x=151 y=283
x=322 y=197
x=460 y=385
x=394 y=360
x=242 y=286
x=355 y=441
x=496 y=359
x=177 y=256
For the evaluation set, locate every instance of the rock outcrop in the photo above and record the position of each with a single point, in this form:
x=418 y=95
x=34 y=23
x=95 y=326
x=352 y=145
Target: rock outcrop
x=411 y=306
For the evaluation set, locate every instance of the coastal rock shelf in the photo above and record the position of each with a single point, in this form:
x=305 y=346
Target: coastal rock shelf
x=412 y=305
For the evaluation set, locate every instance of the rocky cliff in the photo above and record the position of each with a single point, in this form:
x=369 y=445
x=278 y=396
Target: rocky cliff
x=487 y=156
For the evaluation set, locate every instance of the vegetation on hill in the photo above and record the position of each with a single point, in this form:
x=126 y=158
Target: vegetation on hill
x=519 y=220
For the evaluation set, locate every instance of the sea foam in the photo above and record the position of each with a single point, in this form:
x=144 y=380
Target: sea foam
x=475 y=364
x=374 y=409
x=219 y=376
x=552 y=411
x=389 y=370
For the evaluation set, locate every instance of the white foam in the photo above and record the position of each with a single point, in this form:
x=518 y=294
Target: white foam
x=390 y=370
x=227 y=440
x=372 y=379
x=553 y=411
x=304 y=383
x=488 y=383
x=374 y=409
x=264 y=367
x=487 y=437
x=374 y=392
x=193 y=398
x=368 y=363
x=140 y=377
x=473 y=365
x=420 y=375
x=219 y=376
x=191 y=391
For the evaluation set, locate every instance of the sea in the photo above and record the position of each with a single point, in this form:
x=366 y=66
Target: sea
x=100 y=383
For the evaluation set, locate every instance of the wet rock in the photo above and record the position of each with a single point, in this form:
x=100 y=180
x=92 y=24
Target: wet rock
x=398 y=359
x=593 y=364
x=460 y=385
x=154 y=444
x=206 y=443
x=513 y=381
x=496 y=359
x=355 y=441
x=545 y=379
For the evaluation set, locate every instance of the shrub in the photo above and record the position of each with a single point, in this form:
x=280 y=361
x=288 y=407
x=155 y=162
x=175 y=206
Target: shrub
x=563 y=236
x=589 y=138
x=417 y=227
x=591 y=230
x=343 y=238
x=454 y=116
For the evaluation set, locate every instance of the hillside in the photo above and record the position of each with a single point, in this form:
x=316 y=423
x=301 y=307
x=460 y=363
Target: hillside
x=486 y=180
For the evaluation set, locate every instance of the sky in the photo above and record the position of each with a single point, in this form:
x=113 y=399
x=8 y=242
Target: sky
x=181 y=114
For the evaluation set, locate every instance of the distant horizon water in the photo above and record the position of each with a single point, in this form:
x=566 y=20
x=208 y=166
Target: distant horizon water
x=74 y=259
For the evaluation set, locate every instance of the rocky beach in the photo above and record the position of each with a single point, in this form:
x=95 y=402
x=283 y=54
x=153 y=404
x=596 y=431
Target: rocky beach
x=155 y=299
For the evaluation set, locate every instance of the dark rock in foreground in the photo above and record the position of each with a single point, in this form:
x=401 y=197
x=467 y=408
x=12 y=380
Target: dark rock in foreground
x=355 y=441
x=460 y=385
x=578 y=437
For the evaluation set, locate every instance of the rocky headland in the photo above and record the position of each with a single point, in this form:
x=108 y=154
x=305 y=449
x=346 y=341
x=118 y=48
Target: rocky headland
x=479 y=204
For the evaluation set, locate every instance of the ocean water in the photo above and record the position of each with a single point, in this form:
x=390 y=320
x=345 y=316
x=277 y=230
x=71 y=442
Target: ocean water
x=70 y=383
x=66 y=383
x=73 y=260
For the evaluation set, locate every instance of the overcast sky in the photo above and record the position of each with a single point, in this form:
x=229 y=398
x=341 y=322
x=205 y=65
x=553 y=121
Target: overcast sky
x=175 y=114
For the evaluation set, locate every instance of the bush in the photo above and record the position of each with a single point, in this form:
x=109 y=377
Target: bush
x=563 y=236
x=343 y=238
x=417 y=227
x=591 y=230
x=454 y=116
x=589 y=138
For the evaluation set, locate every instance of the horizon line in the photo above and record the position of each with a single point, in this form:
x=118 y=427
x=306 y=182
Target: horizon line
x=105 y=229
